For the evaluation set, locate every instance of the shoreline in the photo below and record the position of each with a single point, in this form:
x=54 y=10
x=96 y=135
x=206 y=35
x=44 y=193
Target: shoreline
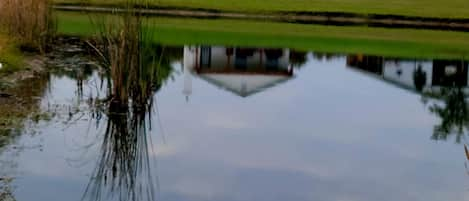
x=324 y=18
x=33 y=66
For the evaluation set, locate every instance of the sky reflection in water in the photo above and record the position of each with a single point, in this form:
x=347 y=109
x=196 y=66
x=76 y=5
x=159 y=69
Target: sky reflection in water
x=322 y=130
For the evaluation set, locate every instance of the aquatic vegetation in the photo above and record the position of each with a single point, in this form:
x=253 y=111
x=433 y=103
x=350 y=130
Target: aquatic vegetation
x=125 y=50
x=123 y=169
x=132 y=72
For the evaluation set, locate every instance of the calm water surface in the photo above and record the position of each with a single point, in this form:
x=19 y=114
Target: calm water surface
x=239 y=124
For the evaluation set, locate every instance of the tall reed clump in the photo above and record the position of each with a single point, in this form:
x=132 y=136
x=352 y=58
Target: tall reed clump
x=124 y=45
x=30 y=21
x=124 y=170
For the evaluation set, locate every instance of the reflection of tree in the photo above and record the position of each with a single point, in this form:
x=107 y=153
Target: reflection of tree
x=297 y=58
x=420 y=78
x=454 y=114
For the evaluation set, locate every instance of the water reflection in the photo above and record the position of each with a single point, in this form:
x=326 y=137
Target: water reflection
x=242 y=71
x=123 y=169
x=443 y=85
x=22 y=106
x=453 y=114
x=289 y=134
x=120 y=105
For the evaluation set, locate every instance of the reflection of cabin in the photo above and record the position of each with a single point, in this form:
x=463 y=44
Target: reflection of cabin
x=367 y=63
x=243 y=71
x=449 y=73
x=427 y=76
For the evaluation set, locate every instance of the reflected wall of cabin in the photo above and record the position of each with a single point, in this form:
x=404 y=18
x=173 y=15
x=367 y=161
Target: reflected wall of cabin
x=426 y=76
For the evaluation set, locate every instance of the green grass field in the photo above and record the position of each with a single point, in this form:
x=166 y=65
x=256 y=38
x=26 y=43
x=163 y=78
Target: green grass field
x=423 y=8
x=407 y=43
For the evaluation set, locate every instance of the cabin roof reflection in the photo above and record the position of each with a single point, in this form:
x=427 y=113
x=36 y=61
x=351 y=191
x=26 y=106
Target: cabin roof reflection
x=244 y=85
x=242 y=71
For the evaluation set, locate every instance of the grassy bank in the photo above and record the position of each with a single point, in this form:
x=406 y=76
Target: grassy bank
x=407 y=43
x=10 y=55
x=26 y=25
x=422 y=8
x=30 y=22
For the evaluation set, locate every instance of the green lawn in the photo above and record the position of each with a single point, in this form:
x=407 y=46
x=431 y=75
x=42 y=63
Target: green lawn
x=424 y=8
x=408 y=43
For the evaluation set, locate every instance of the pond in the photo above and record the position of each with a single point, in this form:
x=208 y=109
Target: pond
x=244 y=123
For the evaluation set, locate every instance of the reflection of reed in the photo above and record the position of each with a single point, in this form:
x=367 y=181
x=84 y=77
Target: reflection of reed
x=124 y=168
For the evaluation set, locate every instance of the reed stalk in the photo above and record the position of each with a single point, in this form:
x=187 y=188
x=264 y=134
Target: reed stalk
x=29 y=21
